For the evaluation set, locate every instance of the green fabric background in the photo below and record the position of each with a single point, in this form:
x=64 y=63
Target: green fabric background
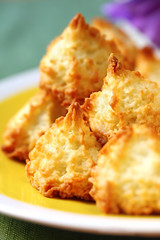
x=12 y=229
x=26 y=28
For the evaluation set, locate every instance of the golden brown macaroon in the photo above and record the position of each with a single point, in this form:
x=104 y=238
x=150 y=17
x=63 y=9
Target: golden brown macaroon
x=126 y=98
x=113 y=32
x=148 y=65
x=23 y=129
x=61 y=162
x=76 y=62
x=127 y=176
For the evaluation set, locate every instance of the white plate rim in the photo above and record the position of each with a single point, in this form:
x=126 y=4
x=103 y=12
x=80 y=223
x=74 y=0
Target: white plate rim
x=66 y=220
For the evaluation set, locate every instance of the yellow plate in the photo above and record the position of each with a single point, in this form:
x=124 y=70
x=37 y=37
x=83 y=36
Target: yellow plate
x=71 y=214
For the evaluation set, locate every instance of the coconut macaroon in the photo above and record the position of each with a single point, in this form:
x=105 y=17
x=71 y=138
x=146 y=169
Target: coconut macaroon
x=24 y=129
x=122 y=40
x=76 y=62
x=61 y=162
x=126 y=98
x=127 y=177
x=148 y=64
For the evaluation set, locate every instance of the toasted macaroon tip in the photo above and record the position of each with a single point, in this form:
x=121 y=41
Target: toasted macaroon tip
x=78 y=21
x=74 y=115
x=126 y=179
x=113 y=64
x=61 y=162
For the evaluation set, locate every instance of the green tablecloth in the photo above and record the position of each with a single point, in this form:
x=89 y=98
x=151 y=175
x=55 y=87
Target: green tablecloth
x=12 y=229
x=26 y=27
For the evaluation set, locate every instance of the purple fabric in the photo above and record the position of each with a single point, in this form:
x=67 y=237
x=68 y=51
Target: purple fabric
x=143 y=14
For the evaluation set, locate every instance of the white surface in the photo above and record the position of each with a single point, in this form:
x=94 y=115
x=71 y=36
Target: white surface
x=19 y=82
x=87 y=223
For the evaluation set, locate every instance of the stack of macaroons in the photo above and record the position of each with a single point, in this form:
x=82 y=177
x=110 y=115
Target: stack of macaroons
x=92 y=130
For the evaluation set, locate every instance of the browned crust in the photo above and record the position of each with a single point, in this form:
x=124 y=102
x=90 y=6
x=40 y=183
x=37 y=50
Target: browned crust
x=20 y=153
x=147 y=52
x=66 y=190
x=114 y=66
x=11 y=146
